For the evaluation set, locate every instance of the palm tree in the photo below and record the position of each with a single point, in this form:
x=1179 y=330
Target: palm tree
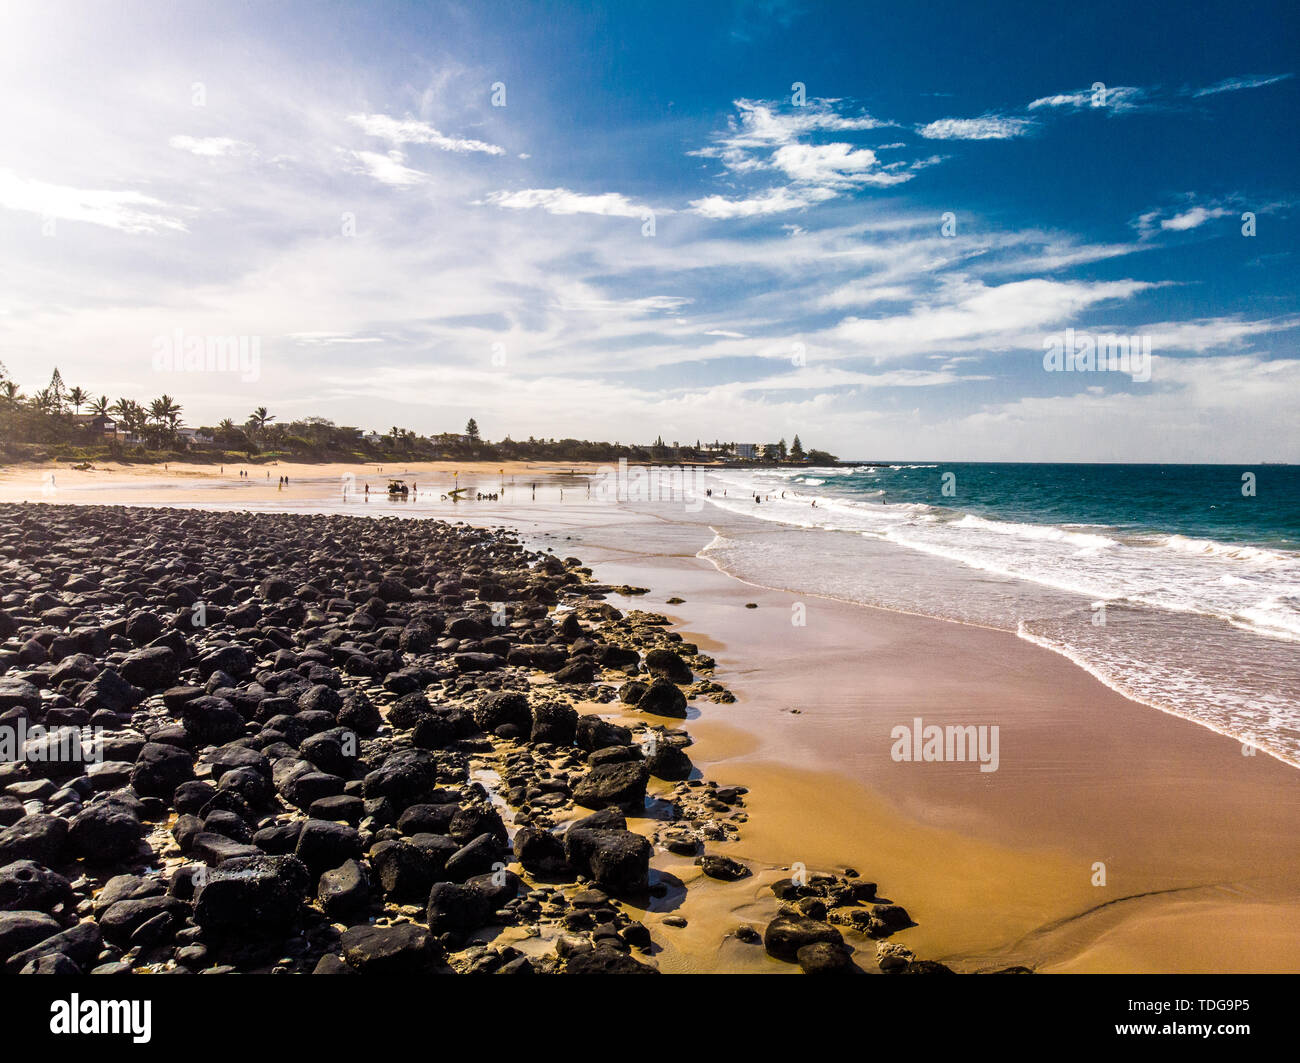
x=130 y=415
x=260 y=418
x=171 y=412
x=164 y=412
x=78 y=397
x=9 y=390
x=99 y=407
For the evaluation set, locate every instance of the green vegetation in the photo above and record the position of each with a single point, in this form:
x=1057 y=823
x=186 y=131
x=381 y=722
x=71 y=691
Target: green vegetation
x=59 y=423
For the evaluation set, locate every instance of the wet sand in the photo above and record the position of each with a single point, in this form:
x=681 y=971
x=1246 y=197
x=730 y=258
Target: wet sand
x=1201 y=869
x=1196 y=840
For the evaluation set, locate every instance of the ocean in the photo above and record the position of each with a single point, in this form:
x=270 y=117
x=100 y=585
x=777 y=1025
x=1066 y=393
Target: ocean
x=1176 y=585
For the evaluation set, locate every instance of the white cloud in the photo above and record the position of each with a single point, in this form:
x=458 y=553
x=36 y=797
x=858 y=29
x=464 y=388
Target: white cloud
x=210 y=147
x=389 y=169
x=833 y=165
x=1238 y=83
x=1115 y=98
x=130 y=212
x=774 y=201
x=972 y=315
x=863 y=293
x=762 y=125
x=1193 y=218
x=411 y=131
x=1179 y=220
x=563 y=201
x=828 y=378
x=326 y=338
x=988 y=127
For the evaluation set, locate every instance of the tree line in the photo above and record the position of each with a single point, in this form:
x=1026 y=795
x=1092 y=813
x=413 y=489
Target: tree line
x=51 y=423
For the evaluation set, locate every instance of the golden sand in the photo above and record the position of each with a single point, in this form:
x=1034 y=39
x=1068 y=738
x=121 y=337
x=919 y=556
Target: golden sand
x=1196 y=841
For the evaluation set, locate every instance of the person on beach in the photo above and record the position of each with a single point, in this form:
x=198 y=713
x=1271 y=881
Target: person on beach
x=367 y=492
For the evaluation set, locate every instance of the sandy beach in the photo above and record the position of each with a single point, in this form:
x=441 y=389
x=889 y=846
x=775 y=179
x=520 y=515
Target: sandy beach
x=1111 y=837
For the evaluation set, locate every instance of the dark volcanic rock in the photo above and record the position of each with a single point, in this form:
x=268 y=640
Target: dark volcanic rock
x=722 y=867
x=662 y=698
x=613 y=784
x=22 y=930
x=40 y=838
x=343 y=892
x=618 y=860
x=104 y=832
x=153 y=668
x=402 y=949
x=669 y=665
x=555 y=723
x=27 y=886
x=507 y=707
x=606 y=961
x=789 y=932
x=595 y=733
x=540 y=852
x=251 y=894
x=669 y=762
x=160 y=769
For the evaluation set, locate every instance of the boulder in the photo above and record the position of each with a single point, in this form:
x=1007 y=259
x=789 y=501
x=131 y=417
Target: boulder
x=617 y=860
x=622 y=785
x=668 y=665
x=249 y=895
x=789 y=932
x=393 y=950
x=662 y=698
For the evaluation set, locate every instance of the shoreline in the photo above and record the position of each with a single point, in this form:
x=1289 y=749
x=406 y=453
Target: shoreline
x=1207 y=768
x=1021 y=892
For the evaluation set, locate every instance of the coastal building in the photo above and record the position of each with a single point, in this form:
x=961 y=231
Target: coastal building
x=95 y=424
x=747 y=451
x=194 y=437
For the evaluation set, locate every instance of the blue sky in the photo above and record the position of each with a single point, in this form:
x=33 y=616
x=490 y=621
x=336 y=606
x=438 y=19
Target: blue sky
x=654 y=236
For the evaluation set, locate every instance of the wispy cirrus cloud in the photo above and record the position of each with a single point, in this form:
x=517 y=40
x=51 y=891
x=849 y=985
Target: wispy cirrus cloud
x=1116 y=98
x=390 y=169
x=127 y=211
x=772 y=201
x=210 y=147
x=412 y=131
x=1238 y=83
x=565 y=201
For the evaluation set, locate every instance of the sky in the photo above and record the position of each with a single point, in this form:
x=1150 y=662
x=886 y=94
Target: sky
x=866 y=224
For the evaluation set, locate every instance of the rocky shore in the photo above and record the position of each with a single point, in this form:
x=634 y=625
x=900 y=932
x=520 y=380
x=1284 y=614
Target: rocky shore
x=271 y=742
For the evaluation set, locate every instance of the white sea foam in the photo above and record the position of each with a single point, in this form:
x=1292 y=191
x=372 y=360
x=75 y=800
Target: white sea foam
x=1196 y=599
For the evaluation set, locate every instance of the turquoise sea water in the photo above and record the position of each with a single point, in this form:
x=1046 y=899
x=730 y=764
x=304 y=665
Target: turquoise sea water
x=1168 y=582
